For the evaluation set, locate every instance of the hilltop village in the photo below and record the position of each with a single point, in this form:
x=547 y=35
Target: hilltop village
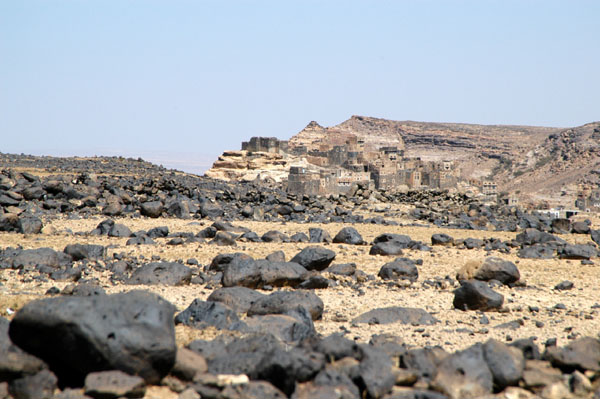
x=335 y=165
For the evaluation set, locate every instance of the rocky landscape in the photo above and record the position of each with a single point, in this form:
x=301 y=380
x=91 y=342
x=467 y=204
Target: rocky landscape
x=119 y=278
x=538 y=163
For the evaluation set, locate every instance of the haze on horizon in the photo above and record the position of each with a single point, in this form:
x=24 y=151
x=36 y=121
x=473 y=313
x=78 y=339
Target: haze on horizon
x=179 y=82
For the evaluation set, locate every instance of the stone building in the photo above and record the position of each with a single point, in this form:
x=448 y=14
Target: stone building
x=588 y=199
x=265 y=144
x=301 y=181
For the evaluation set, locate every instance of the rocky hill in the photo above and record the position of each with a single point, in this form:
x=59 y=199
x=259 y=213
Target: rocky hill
x=562 y=161
x=540 y=162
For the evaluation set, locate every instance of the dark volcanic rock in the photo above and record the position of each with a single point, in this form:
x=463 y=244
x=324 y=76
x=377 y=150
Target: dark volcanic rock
x=342 y=269
x=224 y=238
x=40 y=256
x=572 y=251
x=114 y=384
x=442 y=239
x=280 y=274
x=375 y=371
x=396 y=314
x=165 y=273
x=39 y=386
x=211 y=211
x=242 y=355
x=14 y=362
x=285 y=301
x=399 y=269
x=83 y=289
x=336 y=347
x=299 y=237
x=254 y=274
x=533 y=236
x=158 y=232
x=316 y=282
x=220 y=262
x=317 y=235
x=464 y=374
x=498 y=269
x=561 y=226
x=582 y=354
x=595 y=235
x=241 y=272
x=348 y=235
x=152 y=209
x=277 y=256
x=201 y=314
x=29 y=225
x=188 y=364
x=85 y=251
x=580 y=228
x=314 y=258
x=284 y=368
x=389 y=244
x=132 y=332
x=564 y=285
x=476 y=295
x=275 y=236
x=140 y=240
x=295 y=326
x=238 y=298
x=506 y=363
x=537 y=251
x=472 y=243
x=252 y=390
x=119 y=230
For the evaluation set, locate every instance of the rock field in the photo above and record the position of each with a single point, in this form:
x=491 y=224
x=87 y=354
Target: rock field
x=122 y=279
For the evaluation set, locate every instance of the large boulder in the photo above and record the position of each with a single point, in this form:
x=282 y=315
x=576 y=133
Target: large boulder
x=85 y=251
x=255 y=274
x=132 y=332
x=14 y=362
x=476 y=295
x=499 y=269
x=573 y=251
x=201 y=314
x=400 y=269
x=29 y=225
x=284 y=301
x=464 y=374
x=314 y=258
x=582 y=354
x=389 y=244
x=348 y=235
x=152 y=209
x=318 y=235
x=442 y=239
x=505 y=362
x=239 y=299
x=164 y=273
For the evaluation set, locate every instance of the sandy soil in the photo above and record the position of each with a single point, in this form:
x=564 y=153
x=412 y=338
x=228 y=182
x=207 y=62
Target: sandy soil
x=456 y=329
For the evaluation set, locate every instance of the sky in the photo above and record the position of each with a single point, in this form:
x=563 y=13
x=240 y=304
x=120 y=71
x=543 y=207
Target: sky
x=179 y=82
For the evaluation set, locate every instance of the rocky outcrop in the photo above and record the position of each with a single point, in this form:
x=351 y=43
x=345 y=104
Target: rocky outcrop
x=250 y=166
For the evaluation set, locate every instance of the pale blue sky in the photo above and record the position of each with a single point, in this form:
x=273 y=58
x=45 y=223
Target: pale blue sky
x=182 y=81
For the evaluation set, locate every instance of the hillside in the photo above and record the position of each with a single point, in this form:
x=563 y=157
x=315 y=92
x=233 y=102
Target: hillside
x=540 y=161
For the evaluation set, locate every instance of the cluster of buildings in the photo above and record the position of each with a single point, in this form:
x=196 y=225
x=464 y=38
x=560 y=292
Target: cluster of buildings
x=588 y=199
x=336 y=165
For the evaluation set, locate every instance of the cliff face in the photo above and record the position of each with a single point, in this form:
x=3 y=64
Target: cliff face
x=245 y=166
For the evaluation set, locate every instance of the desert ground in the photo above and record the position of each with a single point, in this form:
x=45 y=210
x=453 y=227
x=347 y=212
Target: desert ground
x=457 y=330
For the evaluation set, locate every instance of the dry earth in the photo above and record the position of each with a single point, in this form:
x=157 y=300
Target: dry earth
x=457 y=329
